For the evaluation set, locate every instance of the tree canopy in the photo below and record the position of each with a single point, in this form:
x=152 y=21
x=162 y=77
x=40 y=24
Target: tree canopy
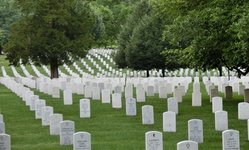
x=51 y=33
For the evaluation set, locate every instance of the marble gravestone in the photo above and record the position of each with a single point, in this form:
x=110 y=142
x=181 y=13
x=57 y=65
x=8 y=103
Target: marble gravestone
x=116 y=100
x=46 y=112
x=38 y=108
x=85 y=108
x=213 y=93
x=54 y=124
x=67 y=129
x=195 y=130
x=228 y=92
x=163 y=92
x=140 y=93
x=246 y=95
x=106 y=96
x=55 y=92
x=5 y=143
x=33 y=99
x=128 y=91
x=230 y=140
x=68 y=97
x=1 y=118
x=2 y=127
x=221 y=120
x=169 y=121
x=81 y=141
x=153 y=140
x=150 y=91
x=172 y=105
x=242 y=89
x=178 y=94
x=95 y=93
x=243 y=111
x=147 y=115
x=217 y=104
x=131 y=107
x=187 y=145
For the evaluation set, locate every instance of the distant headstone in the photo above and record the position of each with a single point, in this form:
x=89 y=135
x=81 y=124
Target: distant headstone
x=106 y=96
x=187 y=145
x=2 y=127
x=95 y=93
x=153 y=140
x=68 y=97
x=196 y=99
x=46 y=112
x=66 y=132
x=118 y=89
x=243 y=109
x=242 y=89
x=131 y=107
x=163 y=92
x=228 y=92
x=88 y=92
x=38 y=108
x=221 y=120
x=140 y=93
x=116 y=100
x=147 y=114
x=178 y=94
x=33 y=99
x=85 y=109
x=230 y=140
x=1 y=118
x=246 y=95
x=54 y=124
x=213 y=93
x=55 y=92
x=172 y=105
x=81 y=141
x=169 y=121
x=5 y=143
x=195 y=130
x=217 y=104
x=150 y=91
x=128 y=91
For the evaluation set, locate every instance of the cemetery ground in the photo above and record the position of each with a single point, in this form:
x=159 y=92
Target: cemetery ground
x=110 y=128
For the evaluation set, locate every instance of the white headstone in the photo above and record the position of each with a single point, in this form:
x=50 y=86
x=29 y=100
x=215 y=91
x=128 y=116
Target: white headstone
x=1 y=118
x=5 y=143
x=128 y=91
x=68 y=97
x=150 y=91
x=2 y=127
x=196 y=99
x=140 y=93
x=55 y=92
x=116 y=100
x=169 y=121
x=46 y=112
x=187 y=145
x=38 y=108
x=106 y=96
x=221 y=120
x=172 y=105
x=95 y=93
x=54 y=124
x=195 y=130
x=147 y=114
x=243 y=111
x=131 y=107
x=66 y=132
x=81 y=141
x=230 y=140
x=153 y=140
x=178 y=94
x=88 y=92
x=85 y=108
x=162 y=92
x=217 y=104
x=33 y=100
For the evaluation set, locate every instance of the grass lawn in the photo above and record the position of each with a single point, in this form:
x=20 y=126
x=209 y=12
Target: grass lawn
x=110 y=128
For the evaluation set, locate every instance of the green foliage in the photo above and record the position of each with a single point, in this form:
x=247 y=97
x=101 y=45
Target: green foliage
x=210 y=32
x=50 y=32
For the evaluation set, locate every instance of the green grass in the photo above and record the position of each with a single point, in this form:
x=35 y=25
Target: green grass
x=110 y=128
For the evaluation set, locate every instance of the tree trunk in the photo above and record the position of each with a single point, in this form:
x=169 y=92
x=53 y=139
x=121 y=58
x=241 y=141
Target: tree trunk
x=1 y=49
x=54 y=69
x=148 y=73
x=220 y=71
x=163 y=72
x=228 y=72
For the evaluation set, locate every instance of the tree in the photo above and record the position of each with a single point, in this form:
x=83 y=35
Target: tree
x=51 y=33
x=146 y=45
x=142 y=9
x=208 y=31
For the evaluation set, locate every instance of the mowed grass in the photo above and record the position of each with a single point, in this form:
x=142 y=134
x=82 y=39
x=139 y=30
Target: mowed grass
x=110 y=128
